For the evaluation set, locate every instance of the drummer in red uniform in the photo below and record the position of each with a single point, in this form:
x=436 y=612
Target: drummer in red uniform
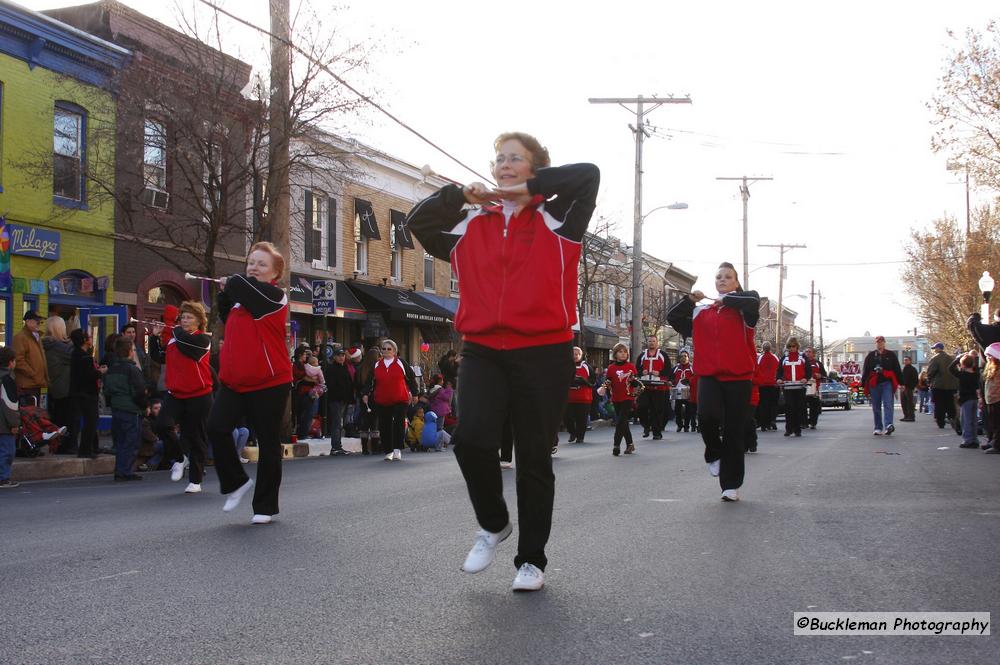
x=654 y=372
x=581 y=395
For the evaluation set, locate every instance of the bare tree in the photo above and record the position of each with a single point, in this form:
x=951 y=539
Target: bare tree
x=967 y=106
x=603 y=264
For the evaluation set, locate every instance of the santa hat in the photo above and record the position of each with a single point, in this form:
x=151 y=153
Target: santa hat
x=354 y=353
x=993 y=350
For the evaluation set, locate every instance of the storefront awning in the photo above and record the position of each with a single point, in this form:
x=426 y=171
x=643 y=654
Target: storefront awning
x=599 y=338
x=399 y=305
x=450 y=304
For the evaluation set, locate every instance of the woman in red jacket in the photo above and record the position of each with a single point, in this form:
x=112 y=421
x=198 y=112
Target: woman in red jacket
x=581 y=394
x=389 y=386
x=256 y=375
x=726 y=358
x=183 y=351
x=622 y=382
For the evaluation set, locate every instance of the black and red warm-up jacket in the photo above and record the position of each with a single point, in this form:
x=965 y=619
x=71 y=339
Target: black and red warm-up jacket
x=888 y=363
x=391 y=383
x=723 y=334
x=185 y=361
x=682 y=372
x=254 y=355
x=792 y=369
x=768 y=373
x=517 y=272
x=581 y=390
x=657 y=365
x=623 y=377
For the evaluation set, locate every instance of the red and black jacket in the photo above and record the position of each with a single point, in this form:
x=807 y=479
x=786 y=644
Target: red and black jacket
x=581 y=390
x=794 y=367
x=683 y=374
x=517 y=271
x=768 y=364
x=392 y=384
x=723 y=334
x=185 y=361
x=622 y=376
x=254 y=355
x=880 y=367
x=657 y=365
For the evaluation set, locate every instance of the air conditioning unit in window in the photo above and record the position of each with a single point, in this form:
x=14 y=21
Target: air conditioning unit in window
x=155 y=198
x=319 y=264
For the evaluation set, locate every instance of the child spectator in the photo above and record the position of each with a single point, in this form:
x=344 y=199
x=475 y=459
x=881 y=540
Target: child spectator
x=991 y=395
x=431 y=438
x=10 y=421
x=125 y=392
x=440 y=398
x=315 y=372
x=414 y=432
x=151 y=449
x=964 y=367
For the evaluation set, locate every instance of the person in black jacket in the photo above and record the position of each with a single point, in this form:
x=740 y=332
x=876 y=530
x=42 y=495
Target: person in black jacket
x=339 y=398
x=84 y=384
x=910 y=380
x=880 y=377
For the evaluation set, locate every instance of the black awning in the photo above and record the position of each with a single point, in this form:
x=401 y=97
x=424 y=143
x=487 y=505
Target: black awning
x=402 y=234
x=349 y=303
x=400 y=306
x=365 y=216
x=599 y=338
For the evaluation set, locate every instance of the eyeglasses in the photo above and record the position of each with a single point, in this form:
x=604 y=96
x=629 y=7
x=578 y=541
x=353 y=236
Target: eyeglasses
x=513 y=159
x=388 y=348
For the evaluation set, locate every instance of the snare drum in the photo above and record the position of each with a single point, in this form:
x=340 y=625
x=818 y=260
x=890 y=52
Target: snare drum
x=680 y=392
x=811 y=389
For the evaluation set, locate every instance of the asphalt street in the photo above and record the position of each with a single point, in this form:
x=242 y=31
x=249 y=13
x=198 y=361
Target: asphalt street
x=646 y=565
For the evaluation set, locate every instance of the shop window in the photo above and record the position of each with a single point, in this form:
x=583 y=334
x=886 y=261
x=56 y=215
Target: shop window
x=360 y=248
x=5 y=327
x=395 y=258
x=69 y=153
x=164 y=295
x=453 y=285
x=154 y=164
x=29 y=303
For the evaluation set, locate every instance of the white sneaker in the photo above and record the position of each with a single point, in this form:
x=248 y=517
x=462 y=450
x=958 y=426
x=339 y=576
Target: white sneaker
x=389 y=457
x=713 y=468
x=506 y=465
x=731 y=495
x=877 y=432
x=397 y=454
x=177 y=471
x=261 y=519
x=192 y=488
x=529 y=578
x=244 y=460
x=234 y=498
x=484 y=550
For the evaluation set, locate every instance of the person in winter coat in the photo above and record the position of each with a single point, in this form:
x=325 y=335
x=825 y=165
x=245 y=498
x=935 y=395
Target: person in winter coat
x=681 y=378
x=30 y=371
x=794 y=372
x=125 y=392
x=339 y=398
x=943 y=387
x=440 y=396
x=880 y=377
x=448 y=364
x=580 y=398
x=415 y=430
x=622 y=383
x=390 y=385
x=723 y=332
x=58 y=360
x=303 y=383
x=991 y=396
x=653 y=365
x=965 y=368
x=767 y=408
x=255 y=374
x=814 y=406
x=517 y=258
x=183 y=351
x=911 y=380
x=10 y=417
x=84 y=387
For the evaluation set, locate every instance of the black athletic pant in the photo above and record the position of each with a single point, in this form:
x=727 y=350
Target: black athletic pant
x=750 y=431
x=84 y=438
x=906 y=401
x=944 y=405
x=815 y=408
x=623 y=416
x=507 y=443
x=575 y=420
x=263 y=410
x=192 y=415
x=993 y=418
x=530 y=387
x=794 y=408
x=684 y=412
x=657 y=409
x=768 y=408
x=391 y=426
x=722 y=416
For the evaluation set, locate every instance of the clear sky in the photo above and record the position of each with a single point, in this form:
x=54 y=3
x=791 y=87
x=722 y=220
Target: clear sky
x=830 y=101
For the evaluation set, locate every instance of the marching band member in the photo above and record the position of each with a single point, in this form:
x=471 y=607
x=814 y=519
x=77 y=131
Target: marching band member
x=255 y=371
x=767 y=409
x=389 y=386
x=813 y=403
x=794 y=371
x=581 y=394
x=723 y=334
x=682 y=376
x=622 y=382
x=516 y=258
x=653 y=366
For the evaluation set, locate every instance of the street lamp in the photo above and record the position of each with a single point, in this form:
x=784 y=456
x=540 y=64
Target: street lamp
x=637 y=274
x=822 y=349
x=986 y=286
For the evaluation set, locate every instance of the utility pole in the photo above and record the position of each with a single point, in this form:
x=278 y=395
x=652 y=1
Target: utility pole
x=781 y=286
x=812 y=308
x=640 y=133
x=745 y=194
x=822 y=349
x=277 y=157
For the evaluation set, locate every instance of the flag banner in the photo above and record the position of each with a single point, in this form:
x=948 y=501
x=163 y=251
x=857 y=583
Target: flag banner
x=87 y=285
x=37 y=287
x=70 y=285
x=55 y=288
x=5 y=283
x=402 y=234
x=102 y=283
x=364 y=217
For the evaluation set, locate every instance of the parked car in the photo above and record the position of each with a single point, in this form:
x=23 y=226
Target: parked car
x=834 y=393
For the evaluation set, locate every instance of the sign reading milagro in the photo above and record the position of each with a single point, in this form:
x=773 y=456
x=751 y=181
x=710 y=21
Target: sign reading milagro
x=34 y=242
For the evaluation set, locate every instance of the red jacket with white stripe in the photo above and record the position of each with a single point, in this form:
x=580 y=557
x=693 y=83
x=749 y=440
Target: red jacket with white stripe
x=655 y=364
x=768 y=363
x=254 y=355
x=581 y=390
x=517 y=272
x=794 y=367
x=723 y=334
x=185 y=360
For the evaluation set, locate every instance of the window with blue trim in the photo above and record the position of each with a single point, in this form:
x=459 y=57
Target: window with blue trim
x=29 y=304
x=69 y=154
x=1 y=135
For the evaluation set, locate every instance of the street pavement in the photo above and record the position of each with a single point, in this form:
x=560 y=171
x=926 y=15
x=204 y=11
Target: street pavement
x=646 y=565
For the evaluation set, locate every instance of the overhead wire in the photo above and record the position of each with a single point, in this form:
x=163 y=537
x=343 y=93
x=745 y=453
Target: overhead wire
x=347 y=85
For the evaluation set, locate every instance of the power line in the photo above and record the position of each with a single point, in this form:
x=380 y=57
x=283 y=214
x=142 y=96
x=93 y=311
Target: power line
x=347 y=85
